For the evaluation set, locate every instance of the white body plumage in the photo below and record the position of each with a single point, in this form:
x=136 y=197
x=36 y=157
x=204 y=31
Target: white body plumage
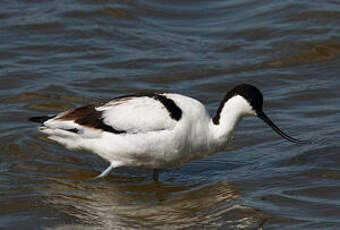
x=155 y=130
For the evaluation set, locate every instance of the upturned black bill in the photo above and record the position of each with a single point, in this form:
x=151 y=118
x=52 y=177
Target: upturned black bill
x=266 y=119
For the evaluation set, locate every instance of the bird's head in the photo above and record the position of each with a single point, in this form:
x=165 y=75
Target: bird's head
x=249 y=101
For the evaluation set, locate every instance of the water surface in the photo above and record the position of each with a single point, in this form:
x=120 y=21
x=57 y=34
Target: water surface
x=59 y=54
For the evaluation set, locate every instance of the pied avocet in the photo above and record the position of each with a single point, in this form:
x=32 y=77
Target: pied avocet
x=154 y=130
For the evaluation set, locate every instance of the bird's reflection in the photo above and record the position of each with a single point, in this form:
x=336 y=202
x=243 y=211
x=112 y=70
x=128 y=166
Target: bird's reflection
x=141 y=203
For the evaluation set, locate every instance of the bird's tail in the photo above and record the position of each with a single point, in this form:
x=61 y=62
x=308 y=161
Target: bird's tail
x=41 y=119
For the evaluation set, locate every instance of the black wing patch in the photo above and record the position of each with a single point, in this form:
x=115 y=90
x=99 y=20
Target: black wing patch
x=90 y=117
x=41 y=119
x=174 y=111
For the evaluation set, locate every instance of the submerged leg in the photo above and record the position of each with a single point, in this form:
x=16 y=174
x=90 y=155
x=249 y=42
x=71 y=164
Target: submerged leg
x=155 y=175
x=107 y=170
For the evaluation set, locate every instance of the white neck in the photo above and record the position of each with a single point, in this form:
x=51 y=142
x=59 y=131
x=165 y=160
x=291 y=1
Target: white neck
x=231 y=114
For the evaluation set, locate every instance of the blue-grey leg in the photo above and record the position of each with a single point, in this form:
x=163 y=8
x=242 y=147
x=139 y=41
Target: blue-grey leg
x=108 y=169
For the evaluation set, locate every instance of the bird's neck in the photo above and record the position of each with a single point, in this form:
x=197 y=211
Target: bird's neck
x=227 y=118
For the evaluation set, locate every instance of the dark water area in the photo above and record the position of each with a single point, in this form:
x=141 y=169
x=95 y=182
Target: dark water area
x=56 y=55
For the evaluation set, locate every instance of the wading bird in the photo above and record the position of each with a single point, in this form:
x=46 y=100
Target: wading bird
x=154 y=130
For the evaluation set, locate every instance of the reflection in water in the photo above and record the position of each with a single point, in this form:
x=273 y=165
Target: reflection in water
x=55 y=57
x=154 y=205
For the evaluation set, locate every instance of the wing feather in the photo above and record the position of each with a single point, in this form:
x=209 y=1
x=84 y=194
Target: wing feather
x=135 y=114
x=128 y=114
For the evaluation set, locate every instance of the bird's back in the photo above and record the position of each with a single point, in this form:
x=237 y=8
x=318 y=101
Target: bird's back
x=154 y=130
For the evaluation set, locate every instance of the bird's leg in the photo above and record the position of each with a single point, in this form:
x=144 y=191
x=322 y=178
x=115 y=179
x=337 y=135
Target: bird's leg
x=108 y=169
x=105 y=172
x=155 y=175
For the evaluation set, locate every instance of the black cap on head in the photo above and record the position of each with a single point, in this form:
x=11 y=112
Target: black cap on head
x=250 y=93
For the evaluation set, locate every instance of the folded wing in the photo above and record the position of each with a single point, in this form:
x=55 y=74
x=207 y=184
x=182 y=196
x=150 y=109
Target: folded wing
x=123 y=115
x=135 y=114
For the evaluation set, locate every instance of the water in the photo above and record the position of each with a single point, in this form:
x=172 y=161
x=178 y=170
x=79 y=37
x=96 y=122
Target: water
x=59 y=54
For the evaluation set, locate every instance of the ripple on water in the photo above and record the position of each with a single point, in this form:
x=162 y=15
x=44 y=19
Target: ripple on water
x=185 y=207
x=55 y=56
